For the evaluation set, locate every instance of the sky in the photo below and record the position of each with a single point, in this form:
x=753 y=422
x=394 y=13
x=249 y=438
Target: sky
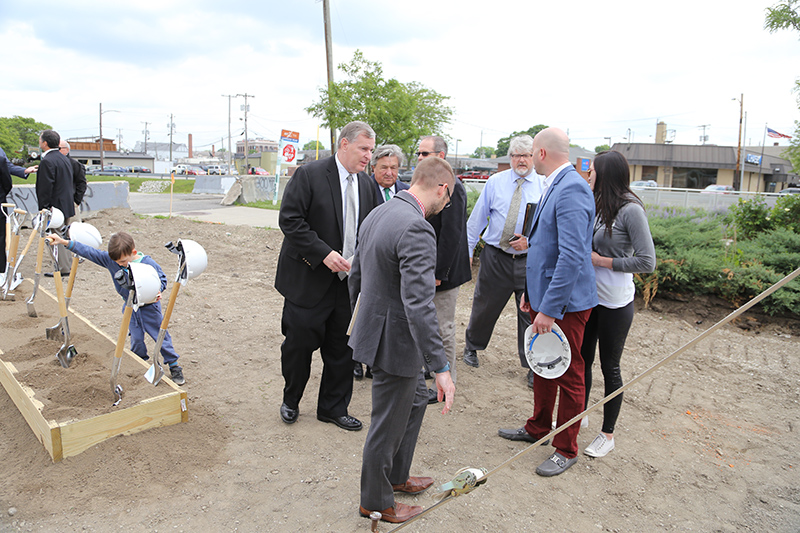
x=598 y=70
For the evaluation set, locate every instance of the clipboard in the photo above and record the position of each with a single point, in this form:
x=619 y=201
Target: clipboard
x=530 y=210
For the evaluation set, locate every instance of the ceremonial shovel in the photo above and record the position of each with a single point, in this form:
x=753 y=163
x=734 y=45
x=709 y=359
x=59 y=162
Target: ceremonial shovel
x=124 y=279
x=12 y=254
x=43 y=222
x=67 y=352
x=18 y=262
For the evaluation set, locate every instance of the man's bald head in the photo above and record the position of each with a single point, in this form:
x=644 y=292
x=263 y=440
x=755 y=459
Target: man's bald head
x=63 y=147
x=550 y=150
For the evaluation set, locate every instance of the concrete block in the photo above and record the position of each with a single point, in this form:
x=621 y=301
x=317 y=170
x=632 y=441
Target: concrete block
x=99 y=195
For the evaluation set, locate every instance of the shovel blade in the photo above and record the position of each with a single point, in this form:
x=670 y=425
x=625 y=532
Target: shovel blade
x=66 y=354
x=31 y=309
x=154 y=374
x=54 y=333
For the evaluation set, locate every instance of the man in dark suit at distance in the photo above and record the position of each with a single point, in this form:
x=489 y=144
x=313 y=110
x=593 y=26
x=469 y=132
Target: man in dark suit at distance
x=386 y=162
x=395 y=332
x=322 y=207
x=78 y=180
x=54 y=185
x=452 y=255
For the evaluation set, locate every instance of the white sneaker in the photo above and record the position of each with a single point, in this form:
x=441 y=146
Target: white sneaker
x=585 y=422
x=600 y=446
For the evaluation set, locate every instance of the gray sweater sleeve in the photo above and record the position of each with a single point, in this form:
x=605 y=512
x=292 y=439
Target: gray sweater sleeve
x=631 y=245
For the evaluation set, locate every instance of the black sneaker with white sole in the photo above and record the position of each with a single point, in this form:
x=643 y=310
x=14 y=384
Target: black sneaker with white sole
x=176 y=373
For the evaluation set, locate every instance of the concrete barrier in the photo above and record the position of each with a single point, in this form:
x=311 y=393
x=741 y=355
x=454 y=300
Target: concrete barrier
x=99 y=195
x=213 y=184
x=254 y=188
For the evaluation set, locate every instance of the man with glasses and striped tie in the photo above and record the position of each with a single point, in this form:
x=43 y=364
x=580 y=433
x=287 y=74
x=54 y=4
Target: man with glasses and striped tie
x=500 y=211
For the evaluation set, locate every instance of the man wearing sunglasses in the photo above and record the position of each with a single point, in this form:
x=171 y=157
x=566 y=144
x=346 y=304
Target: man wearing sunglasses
x=500 y=211
x=452 y=257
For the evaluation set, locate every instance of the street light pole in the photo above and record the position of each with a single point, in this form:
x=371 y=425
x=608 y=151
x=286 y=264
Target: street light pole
x=736 y=181
x=102 y=146
x=456 y=165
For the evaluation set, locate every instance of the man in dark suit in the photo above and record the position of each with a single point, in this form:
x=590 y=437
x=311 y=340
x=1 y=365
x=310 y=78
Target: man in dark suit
x=452 y=255
x=561 y=289
x=395 y=332
x=5 y=188
x=322 y=207
x=78 y=180
x=54 y=185
x=385 y=165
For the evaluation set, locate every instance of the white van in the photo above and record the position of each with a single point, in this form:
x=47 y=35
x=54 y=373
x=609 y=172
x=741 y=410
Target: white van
x=215 y=169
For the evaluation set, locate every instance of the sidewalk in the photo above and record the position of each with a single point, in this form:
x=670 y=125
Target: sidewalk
x=204 y=207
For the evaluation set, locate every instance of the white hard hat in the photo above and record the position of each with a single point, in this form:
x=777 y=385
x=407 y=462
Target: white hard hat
x=85 y=234
x=548 y=354
x=56 y=218
x=196 y=259
x=147 y=283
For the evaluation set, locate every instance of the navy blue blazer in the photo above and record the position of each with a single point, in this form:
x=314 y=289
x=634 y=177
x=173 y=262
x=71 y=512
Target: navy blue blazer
x=560 y=276
x=399 y=186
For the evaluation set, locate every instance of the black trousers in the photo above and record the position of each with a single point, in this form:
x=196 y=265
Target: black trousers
x=322 y=327
x=2 y=243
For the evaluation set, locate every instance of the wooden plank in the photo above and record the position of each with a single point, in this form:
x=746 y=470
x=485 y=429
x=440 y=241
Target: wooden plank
x=155 y=412
x=48 y=432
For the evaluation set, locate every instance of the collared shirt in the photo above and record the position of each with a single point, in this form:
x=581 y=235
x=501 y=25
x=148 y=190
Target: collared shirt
x=343 y=173
x=421 y=205
x=491 y=208
x=548 y=181
x=391 y=190
x=48 y=151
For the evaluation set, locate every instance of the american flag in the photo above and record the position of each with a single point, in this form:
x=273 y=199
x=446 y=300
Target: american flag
x=775 y=135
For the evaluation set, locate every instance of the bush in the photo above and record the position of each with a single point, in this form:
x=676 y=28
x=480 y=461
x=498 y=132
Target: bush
x=786 y=213
x=750 y=217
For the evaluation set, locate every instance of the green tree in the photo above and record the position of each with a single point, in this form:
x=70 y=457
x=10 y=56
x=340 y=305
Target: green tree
x=601 y=148
x=17 y=134
x=400 y=113
x=783 y=16
x=502 y=144
x=488 y=151
x=313 y=145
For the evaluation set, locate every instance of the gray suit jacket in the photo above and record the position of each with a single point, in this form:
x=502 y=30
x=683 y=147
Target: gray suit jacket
x=393 y=270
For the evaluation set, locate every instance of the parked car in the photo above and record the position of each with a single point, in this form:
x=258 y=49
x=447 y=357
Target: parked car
x=110 y=170
x=215 y=170
x=790 y=190
x=258 y=171
x=718 y=189
x=139 y=170
x=180 y=169
x=195 y=171
x=473 y=175
x=405 y=175
x=643 y=184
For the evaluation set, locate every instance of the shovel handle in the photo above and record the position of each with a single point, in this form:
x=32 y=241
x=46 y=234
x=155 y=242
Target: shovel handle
x=173 y=295
x=19 y=211
x=72 y=272
x=12 y=250
x=39 y=255
x=62 y=304
x=28 y=245
x=123 y=331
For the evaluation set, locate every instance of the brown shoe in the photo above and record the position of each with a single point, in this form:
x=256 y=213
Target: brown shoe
x=414 y=485
x=397 y=514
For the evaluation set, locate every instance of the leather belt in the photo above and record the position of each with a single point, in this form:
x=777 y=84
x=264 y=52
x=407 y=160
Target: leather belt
x=513 y=256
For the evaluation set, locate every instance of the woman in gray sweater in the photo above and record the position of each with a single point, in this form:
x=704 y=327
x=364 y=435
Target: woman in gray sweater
x=622 y=245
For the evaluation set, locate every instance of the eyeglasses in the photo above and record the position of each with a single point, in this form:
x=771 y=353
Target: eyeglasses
x=520 y=156
x=448 y=195
x=425 y=154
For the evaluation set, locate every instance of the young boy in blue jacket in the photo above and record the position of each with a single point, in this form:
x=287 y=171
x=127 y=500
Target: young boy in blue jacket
x=121 y=251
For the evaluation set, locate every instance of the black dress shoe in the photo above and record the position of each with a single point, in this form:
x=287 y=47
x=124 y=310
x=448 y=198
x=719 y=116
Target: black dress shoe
x=358 y=371
x=433 y=396
x=471 y=358
x=427 y=375
x=350 y=423
x=288 y=414
x=530 y=379
x=368 y=373
x=519 y=434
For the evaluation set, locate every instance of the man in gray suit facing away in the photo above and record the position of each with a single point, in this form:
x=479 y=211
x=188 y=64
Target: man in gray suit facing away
x=395 y=332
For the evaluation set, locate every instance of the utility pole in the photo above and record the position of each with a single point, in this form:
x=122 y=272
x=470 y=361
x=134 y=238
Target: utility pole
x=119 y=139
x=482 y=153
x=102 y=154
x=229 y=96
x=736 y=183
x=704 y=137
x=326 y=17
x=246 y=108
x=146 y=135
x=171 y=127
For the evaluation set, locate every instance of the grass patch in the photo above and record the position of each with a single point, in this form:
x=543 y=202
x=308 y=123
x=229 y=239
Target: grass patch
x=264 y=204
x=181 y=185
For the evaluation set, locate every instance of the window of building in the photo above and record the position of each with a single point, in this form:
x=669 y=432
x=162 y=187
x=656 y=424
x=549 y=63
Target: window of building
x=693 y=178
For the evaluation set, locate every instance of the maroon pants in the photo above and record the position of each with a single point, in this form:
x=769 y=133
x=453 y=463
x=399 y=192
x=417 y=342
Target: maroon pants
x=571 y=384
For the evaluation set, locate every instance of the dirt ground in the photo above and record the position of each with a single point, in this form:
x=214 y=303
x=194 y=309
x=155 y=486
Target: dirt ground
x=707 y=443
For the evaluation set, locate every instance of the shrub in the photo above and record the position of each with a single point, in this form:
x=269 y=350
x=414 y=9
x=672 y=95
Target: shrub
x=750 y=217
x=786 y=213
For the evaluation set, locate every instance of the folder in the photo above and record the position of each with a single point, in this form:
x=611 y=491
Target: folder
x=530 y=209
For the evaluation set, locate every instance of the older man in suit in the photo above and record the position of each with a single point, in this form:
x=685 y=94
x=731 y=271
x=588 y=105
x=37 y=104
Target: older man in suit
x=395 y=332
x=560 y=289
x=322 y=208
x=78 y=180
x=386 y=162
x=55 y=186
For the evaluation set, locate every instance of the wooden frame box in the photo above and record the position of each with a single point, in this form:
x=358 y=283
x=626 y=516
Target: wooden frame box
x=168 y=406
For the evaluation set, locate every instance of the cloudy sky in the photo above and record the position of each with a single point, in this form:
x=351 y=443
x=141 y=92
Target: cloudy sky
x=596 y=69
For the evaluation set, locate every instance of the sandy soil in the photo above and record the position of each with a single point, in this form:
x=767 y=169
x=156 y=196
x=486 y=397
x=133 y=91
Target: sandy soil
x=707 y=443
